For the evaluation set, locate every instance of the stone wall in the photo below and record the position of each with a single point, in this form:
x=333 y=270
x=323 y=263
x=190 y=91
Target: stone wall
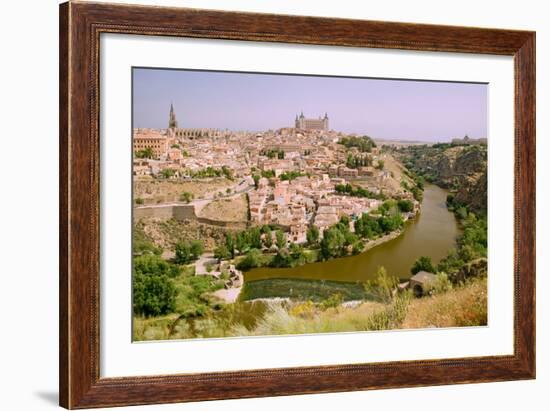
x=234 y=225
x=176 y=211
x=182 y=212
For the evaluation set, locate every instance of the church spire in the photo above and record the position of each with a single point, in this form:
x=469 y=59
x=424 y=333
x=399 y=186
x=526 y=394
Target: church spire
x=172 y=122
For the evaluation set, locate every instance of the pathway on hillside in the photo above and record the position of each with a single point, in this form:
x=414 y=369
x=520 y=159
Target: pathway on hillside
x=202 y=262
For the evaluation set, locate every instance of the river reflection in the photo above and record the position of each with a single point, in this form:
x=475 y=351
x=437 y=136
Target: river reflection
x=432 y=234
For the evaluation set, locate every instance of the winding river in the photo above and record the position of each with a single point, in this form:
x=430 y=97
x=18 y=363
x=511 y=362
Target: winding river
x=433 y=233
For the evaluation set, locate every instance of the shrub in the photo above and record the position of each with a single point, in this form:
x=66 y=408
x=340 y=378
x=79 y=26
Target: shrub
x=335 y=300
x=167 y=173
x=383 y=287
x=186 y=197
x=303 y=310
x=391 y=317
x=442 y=284
x=405 y=205
x=358 y=247
x=140 y=247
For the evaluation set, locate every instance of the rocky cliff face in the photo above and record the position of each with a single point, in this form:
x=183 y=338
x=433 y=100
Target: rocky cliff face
x=462 y=169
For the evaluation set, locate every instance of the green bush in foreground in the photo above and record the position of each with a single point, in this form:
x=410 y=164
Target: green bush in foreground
x=154 y=265
x=187 y=252
x=153 y=294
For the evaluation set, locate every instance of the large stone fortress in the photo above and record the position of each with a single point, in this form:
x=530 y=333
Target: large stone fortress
x=303 y=123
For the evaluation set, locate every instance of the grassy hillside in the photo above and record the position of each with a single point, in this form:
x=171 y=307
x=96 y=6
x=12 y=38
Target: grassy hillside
x=462 y=305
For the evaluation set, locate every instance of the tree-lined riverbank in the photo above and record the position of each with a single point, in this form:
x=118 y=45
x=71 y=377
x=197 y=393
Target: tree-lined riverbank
x=433 y=233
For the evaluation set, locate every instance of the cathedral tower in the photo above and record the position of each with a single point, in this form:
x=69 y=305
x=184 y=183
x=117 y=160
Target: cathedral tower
x=172 y=122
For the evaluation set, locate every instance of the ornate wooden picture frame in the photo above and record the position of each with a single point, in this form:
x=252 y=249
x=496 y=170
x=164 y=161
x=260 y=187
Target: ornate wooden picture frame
x=81 y=25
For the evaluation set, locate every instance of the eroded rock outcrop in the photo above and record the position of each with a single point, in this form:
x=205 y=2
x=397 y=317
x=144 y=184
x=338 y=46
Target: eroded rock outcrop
x=475 y=268
x=461 y=169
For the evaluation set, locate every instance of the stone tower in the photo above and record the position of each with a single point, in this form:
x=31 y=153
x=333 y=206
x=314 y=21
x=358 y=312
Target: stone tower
x=172 y=122
x=325 y=122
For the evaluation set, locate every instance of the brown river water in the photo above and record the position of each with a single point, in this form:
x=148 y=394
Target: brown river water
x=433 y=233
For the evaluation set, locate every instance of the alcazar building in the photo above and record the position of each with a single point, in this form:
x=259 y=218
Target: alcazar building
x=303 y=123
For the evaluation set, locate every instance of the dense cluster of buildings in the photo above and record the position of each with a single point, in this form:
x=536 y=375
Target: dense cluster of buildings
x=297 y=169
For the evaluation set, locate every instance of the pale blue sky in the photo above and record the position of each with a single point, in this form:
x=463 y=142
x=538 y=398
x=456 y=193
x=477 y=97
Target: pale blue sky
x=388 y=109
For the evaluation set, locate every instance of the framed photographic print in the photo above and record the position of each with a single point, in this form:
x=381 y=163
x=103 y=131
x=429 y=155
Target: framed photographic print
x=258 y=205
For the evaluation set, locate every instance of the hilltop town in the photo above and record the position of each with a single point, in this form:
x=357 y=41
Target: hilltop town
x=212 y=205
x=292 y=178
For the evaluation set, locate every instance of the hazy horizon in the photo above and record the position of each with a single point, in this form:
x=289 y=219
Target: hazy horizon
x=383 y=109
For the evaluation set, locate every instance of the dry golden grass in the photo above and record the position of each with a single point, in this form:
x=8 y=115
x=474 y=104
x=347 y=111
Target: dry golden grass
x=461 y=307
x=153 y=191
x=231 y=209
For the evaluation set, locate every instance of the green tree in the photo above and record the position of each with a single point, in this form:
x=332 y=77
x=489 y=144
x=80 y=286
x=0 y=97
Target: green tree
x=196 y=248
x=167 y=173
x=222 y=253
x=230 y=244
x=242 y=242
x=268 y=239
x=154 y=265
x=280 y=239
x=296 y=254
x=391 y=223
x=367 y=226
x=344 y=220
x=153 y=294
x=145 y=153
x=253 y=259
x=423 y=264
x=332 y=244
x=312 y=235
x=255 y=237
x=183 y=253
